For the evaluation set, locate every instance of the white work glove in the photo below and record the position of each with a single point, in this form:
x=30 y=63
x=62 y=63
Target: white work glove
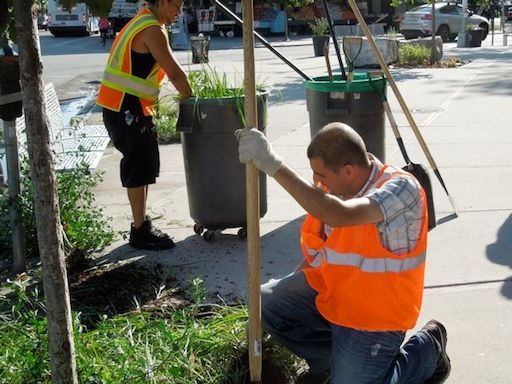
x=253 y=146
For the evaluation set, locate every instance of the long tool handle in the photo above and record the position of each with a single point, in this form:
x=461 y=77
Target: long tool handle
x=252 y=202
x=261 y=39
x=327 y=61
x=400 y=99
x=391 y=118
x=334 y=40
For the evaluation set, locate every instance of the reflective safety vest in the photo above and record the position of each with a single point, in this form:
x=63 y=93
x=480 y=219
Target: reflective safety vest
x=360 y=284
x=117 y=78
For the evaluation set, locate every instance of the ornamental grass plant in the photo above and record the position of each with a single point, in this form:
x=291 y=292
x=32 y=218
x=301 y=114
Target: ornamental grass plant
x=191 y=344
x=413 y=55
x=319 y=27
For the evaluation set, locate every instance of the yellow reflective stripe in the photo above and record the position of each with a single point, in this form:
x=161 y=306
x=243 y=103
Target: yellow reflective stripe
x=375 y=265
x=138 y=24
x=131 y=84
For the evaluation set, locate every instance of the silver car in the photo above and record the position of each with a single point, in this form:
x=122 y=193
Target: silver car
x=418 y=21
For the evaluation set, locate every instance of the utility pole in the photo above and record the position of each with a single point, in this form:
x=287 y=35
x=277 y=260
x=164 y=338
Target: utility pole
x=461 y=39
x=13 y=188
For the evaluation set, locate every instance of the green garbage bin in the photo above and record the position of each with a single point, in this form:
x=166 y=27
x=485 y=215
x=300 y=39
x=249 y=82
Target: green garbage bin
x=357 y=103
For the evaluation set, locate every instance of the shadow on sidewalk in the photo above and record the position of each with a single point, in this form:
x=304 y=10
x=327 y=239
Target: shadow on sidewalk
x=221 y=264
x=500 y=252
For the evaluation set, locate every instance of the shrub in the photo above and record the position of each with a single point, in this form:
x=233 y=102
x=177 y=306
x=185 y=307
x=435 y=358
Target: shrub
x=413 y=55
x=85 y=227
x=320 y=27
x=165 y=121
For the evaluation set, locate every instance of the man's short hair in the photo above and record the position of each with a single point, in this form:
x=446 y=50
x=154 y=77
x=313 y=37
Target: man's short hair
x=337 y=144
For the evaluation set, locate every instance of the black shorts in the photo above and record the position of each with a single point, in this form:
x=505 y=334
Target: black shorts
x=136 y=138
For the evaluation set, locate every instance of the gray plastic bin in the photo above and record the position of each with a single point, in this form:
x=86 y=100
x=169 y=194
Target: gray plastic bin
x=356 y=103
x=215 y=177
x=200 y=47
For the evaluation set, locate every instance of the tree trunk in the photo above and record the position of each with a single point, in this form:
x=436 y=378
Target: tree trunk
x=49 y=229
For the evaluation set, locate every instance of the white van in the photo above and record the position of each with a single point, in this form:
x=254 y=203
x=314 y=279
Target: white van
x=75 y=20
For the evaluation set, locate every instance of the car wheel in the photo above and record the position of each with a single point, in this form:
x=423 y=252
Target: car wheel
x=485 y=32
x=444 y=32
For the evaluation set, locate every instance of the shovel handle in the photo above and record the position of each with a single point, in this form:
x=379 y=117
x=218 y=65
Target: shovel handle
x=352 y=40
x=327 y=61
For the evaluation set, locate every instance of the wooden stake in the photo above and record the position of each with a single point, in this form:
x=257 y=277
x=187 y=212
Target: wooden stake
x=252 y=201
x=400 y=99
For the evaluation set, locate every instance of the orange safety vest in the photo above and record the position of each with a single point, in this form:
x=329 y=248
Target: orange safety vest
x=360 y=283
x=117 y=78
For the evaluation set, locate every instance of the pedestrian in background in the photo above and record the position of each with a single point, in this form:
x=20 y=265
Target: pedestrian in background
x=103 y=25
x=139 y=60
x=359 y=289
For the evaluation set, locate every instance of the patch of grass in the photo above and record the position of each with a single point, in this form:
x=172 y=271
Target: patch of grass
x=85 y=227
x=413 y=55
x=192 y=344
x=452 y=62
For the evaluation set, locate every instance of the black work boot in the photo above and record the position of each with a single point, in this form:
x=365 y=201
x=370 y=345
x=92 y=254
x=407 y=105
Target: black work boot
x=437 y=331
x=149 y=237
x=314 y=378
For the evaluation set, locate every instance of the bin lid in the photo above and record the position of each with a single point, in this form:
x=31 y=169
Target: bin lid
x=222 y=100
x=360 y=83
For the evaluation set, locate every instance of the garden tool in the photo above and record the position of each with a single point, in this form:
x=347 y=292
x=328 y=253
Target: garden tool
x=252 y=198
x=261 y=39
x=401 y=101
x=419 y=171
x=335 y=41
x=327 y=61
x=350 y=57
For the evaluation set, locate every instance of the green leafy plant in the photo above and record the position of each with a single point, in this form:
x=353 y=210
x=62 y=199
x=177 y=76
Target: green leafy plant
x=85 y=227
x=319 y=27
x=392 y=32
x=165 y=120
x=208 y=83
x=189 y=344
x=413 y=55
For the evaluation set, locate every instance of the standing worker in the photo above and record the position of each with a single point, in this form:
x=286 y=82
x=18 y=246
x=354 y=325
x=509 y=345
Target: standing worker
x=347 y=307
x=139 y=59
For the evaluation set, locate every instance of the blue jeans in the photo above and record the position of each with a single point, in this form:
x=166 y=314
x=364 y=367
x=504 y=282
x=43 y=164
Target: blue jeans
x=289 y=314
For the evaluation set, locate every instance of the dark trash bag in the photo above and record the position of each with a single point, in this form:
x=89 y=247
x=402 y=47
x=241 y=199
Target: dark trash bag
x=421 y=174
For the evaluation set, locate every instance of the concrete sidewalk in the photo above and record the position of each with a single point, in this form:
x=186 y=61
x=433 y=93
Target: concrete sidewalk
x=464 y=115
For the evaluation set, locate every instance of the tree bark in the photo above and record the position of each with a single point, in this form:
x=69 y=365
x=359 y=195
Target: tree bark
x=49 y=228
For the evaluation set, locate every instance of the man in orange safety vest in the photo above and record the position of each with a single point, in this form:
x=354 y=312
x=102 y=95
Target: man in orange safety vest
x=139 y=59
x=347 y=307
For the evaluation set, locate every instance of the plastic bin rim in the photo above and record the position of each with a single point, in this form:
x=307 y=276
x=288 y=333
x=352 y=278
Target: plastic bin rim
x=360 y=83
x=204 y=37
x=221 y=100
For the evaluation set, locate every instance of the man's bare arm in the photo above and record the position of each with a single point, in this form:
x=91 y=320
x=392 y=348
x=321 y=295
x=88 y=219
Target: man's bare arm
x=326 y=207
x=157 y=42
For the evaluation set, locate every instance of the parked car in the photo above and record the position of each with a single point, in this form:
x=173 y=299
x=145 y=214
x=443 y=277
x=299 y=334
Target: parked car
x=42 y=22
x=418 y=21
x=508 y=12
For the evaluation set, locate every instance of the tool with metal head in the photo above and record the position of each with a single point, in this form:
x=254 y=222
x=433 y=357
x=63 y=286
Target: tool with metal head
x=401 y=101
x=419 y=171
x=351 y=53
